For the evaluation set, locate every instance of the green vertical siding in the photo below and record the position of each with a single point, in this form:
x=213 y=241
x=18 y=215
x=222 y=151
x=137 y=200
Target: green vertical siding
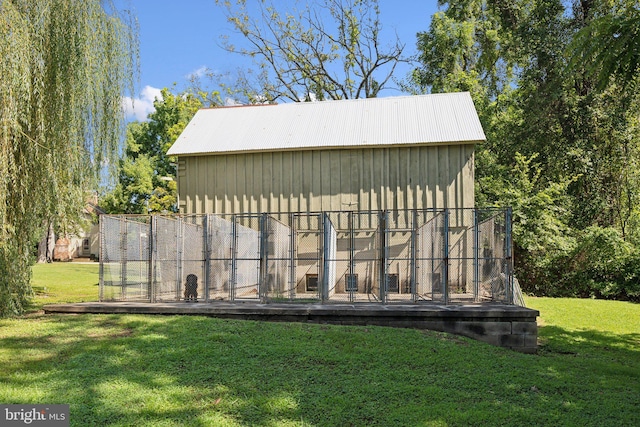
x=415 y=177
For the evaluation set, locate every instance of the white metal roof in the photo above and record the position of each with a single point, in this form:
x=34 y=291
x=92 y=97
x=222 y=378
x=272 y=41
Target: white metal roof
x=408 y=120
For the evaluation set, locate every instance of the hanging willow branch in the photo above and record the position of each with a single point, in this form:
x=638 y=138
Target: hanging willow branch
x=64 y=65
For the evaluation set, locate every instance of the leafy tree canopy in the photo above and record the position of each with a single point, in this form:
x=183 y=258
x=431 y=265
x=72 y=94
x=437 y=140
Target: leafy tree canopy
x=146 y=175
x=608 y=48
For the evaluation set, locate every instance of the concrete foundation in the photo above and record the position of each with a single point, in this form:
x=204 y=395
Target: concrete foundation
x=507 y=326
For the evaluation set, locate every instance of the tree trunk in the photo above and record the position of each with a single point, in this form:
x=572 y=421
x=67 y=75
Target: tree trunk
x=47 y=245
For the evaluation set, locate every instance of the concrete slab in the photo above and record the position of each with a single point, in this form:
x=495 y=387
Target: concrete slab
x=479 y=321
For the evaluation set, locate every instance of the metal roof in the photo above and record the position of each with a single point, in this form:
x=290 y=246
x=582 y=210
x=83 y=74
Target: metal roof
x=449 y=118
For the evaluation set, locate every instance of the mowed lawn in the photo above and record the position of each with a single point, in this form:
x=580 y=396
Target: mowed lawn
x=126 y=370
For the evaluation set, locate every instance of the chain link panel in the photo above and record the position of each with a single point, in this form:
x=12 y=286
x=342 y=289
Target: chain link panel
x=125 y=258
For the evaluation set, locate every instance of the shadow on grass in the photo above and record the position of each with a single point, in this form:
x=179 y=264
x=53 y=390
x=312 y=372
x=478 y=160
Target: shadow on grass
x=118 y=371
x=145 y=370
x=559 y=340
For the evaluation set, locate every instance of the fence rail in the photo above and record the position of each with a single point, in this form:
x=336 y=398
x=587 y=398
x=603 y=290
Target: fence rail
x=444 y=256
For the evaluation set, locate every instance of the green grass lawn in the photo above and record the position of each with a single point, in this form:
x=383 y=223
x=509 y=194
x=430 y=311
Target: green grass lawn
x=125 y=370
x=64 y=282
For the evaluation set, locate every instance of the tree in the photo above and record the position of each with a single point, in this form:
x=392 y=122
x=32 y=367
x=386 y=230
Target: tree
x=609 y=47
x=513 y=56
x=470 y=46
x=64 y=67
x=301 y=56
x=146 y=175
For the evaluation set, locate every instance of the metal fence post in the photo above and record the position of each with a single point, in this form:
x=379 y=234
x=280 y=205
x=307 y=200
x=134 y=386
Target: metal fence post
x=352 y=255
x=101 y=253
x=413 y=261
x=323 y=283
x=179 y=253
x=234 y=259
x=382 y=230
x=206 y=247
x=264 y=249
x=152 y=257
x=476 y=256
x=123 y=259
x=292 y=256
x=508 y=277
x=445 y=260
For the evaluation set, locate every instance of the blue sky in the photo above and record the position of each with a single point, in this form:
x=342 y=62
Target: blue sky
x=178 y=38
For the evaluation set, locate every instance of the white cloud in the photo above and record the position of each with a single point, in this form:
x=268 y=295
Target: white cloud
x=230 y=102
x=198 y=73
x=139 y=108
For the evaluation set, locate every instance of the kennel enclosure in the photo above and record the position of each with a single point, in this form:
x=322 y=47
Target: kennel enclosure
x=445 y=256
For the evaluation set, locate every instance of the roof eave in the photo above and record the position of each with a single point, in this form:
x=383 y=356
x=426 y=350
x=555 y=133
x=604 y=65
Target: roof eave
x=332 y=147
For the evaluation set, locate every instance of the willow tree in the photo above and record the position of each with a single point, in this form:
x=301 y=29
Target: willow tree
x=64 y=65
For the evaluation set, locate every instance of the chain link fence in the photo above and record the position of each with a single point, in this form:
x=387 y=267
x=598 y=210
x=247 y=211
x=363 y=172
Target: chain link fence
x=408 y=256
x=125 y=244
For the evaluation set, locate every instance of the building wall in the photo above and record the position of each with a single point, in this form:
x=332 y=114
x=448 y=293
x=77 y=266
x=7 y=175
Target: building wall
x=417 y=177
